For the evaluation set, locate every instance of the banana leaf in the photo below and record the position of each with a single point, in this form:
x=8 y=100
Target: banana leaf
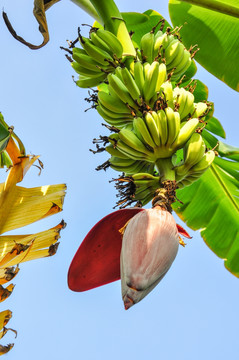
x=211 y=205
x=40 y=7
x=214 y=27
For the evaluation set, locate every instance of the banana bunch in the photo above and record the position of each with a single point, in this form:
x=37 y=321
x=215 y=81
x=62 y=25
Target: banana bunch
x=139 y=187
x=168 y=48
x=196 y=168
x=154 y=136
x=129 y=94
x=101 y=53
x=130 y=166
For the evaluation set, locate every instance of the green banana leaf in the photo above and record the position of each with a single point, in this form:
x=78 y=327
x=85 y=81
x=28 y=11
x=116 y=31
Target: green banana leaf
x=214 y=27
x=211 y=205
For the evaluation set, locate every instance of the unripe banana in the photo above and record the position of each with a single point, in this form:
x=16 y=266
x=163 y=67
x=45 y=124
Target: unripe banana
x=151 y=80
x=115 y=152
x=171 y=52
x=200 y=109
x=141 y=127
x=139 y=75
x=118 y=89
x=153 y=129
x=185 y=133
x=167 y=90
x=162 y=126
x=193 y=150
x=147 y=46
x=130 y=139
x=160 y=42
x=95 y=52
x=88 y=82
x=173 y=122
x=130 y=83
x=111 y=41
x=204 y=163
x=184 y=65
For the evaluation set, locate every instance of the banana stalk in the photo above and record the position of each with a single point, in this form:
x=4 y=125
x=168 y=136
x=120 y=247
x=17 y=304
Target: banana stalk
x=112 y=19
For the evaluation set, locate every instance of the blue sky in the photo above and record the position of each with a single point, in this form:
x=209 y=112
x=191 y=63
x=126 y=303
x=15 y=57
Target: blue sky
x=193 y=312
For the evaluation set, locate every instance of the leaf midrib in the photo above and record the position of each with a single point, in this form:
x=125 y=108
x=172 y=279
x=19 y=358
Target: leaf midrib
x=216 y=6
x=224 y=187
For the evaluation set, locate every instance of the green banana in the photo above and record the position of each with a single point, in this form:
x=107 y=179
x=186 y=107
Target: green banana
x=185 y=133
x=131 y=85
x=171 y=53
x=179 y=57
x=83 y=59
x=139 y=75
x=167 y=90
x=162 y=76
x=147 y=47
x=151 y=78
x=130 y=139
x=141 y=127
x=162 y=125
x=153 y=129
x=84 y=71
x=204 y=163
x=118 y=89
x=115 y=152
x=160 y=42
x=95 y=52
x=112 y=103
x=193 y=151
x=173 y=122
x=200 y=109
x=111 y=41
x=88 y=82
x=97 y=41
x=184 y=65
x=130 y=152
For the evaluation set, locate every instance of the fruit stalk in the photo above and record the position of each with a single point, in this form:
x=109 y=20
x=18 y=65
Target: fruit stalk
x=166 y=170
x=112 y=19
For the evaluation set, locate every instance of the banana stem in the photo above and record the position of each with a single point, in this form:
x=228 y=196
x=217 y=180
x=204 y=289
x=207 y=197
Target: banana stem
x=87 y=6
x=112 y=19
x=165 y=168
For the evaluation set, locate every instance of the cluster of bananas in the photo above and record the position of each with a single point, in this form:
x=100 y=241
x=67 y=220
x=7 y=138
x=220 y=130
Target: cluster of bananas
x=130 y=95
x=101 y=53
x=156 y=122
x=167 y=48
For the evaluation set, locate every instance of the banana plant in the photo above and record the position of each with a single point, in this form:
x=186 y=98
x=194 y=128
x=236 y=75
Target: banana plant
x=101 y=62
x=20 y=206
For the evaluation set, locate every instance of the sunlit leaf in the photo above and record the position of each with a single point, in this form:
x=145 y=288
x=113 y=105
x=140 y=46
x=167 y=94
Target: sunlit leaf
x=216 y=34
x=211 y=205
x=15 y=249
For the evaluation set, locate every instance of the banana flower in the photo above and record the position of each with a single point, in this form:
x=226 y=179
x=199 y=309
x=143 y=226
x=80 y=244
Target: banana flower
x=97 y=261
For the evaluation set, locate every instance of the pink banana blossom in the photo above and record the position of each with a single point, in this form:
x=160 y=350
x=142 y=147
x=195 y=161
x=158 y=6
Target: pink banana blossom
x=149 y=247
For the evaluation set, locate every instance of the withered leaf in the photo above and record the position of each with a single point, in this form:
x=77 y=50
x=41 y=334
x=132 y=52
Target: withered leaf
x=5 y=292
x=40 y=7
x=9 y=274
x=5 y=349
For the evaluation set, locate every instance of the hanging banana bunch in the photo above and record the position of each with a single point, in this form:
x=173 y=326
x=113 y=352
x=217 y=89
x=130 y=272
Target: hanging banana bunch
x=156 y=141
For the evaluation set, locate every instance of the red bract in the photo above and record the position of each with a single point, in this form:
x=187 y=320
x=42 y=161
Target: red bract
x=97 y=261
